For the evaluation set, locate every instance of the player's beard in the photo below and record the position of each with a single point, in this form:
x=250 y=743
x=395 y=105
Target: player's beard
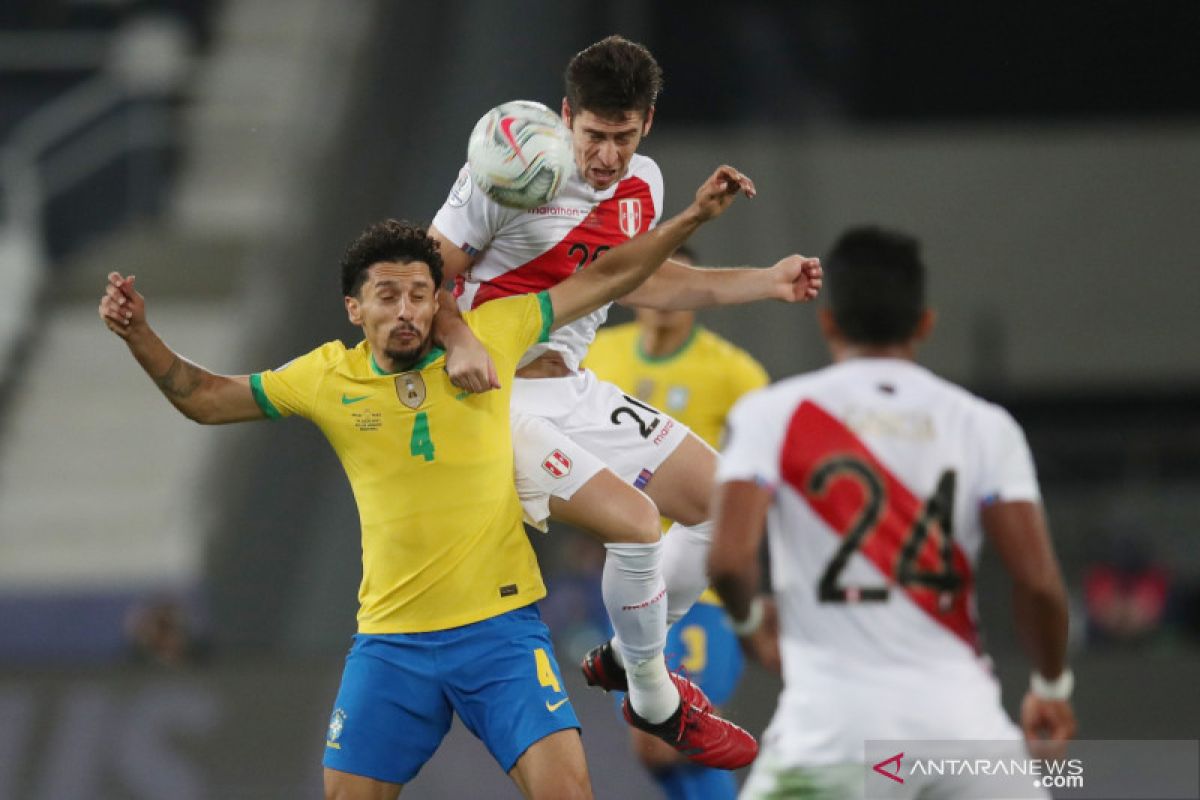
x=405 y=357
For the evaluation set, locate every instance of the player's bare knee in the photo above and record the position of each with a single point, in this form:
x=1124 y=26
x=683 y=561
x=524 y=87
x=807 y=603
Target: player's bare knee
x=683 y=485
x=643 y=521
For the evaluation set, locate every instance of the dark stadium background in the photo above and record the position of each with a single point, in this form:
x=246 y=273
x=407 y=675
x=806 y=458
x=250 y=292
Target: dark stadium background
x=175 y=602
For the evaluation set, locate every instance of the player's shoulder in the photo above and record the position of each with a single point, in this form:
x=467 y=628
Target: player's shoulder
x=774 y=399
x=986 y=411
x=643 y=165
x=645 y=168
x=714 y=345
x=466 y=199
x=780 y=400
x=329 y=355
x=499 y=309
x=506 y=314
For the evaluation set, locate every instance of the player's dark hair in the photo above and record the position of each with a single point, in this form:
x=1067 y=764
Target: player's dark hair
x=391 y=240
x=875 y=284
x=612 y=77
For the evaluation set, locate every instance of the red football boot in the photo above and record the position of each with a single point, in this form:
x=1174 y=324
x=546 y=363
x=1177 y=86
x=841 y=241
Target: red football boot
x=696 y=732
x=600 y=668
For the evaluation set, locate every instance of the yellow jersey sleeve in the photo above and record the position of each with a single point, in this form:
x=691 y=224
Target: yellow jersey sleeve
x=293 y=388
x=511 y=325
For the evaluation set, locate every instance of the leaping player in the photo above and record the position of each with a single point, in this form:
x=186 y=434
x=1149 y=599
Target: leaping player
x=590 y=448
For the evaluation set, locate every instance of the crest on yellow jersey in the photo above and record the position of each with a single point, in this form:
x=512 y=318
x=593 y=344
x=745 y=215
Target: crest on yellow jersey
x=410 y=388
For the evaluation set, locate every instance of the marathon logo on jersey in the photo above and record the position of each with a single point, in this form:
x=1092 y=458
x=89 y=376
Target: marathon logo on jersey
x=557 y=464
x=629 y=215
x=410 y=388
x=559 y=211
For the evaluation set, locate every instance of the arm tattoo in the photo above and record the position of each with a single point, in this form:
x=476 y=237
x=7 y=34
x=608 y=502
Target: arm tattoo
x=180 y=380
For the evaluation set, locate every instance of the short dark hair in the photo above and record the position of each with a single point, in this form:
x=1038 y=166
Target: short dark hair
x=875 y=283
x=395 y=241
x=612 y=77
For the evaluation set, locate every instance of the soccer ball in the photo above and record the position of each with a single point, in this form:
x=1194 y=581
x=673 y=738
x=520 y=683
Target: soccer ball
x=520 y=153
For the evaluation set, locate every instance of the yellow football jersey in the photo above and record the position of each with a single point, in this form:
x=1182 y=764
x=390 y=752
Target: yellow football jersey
x=697 y=384
x=431 y=468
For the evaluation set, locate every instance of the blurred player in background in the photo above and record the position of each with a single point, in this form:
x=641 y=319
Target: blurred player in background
x=597 y=449
x=668 y=360
x=447 y=622
x=880 y=481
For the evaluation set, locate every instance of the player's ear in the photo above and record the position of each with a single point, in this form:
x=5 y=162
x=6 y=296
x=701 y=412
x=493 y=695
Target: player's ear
x=353 y=310
x=566 y=111
x=649 y=121
x=925 y=325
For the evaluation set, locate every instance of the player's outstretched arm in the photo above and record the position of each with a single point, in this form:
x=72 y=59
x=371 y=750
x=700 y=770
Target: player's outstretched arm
x=795 y=279
x=468 y=362
x=1017 y=530
x=199 y=395
x=677 y=286
x=621 y=269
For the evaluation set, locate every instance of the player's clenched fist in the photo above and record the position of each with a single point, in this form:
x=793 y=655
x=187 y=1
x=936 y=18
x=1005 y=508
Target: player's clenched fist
x=122 y=308
x=798 y=279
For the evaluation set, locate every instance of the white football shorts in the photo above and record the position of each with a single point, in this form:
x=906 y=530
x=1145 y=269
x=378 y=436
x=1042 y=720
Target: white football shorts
x=565 y=430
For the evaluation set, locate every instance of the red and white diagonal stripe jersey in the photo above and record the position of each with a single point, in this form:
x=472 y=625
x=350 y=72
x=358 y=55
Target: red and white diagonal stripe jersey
x=879 y=469
x=527 y=251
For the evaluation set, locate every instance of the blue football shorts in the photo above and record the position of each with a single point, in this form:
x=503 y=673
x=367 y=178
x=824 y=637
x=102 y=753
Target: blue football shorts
x=399 y=692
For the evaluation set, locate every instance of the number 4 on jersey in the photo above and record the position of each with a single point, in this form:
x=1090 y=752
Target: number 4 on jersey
x=421 y=443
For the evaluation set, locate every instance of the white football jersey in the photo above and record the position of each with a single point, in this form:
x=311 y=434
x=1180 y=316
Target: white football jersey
x=879 y=470
x=527 y=251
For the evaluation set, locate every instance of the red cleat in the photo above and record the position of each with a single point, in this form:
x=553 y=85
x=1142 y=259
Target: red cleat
x=600 y=668
x=696 y=732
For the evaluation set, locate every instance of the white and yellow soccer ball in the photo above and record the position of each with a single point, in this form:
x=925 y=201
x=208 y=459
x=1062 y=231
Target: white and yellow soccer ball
x=520 y=154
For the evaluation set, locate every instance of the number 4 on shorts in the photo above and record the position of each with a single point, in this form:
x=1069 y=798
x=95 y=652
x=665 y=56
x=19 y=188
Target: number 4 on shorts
x=545 y=672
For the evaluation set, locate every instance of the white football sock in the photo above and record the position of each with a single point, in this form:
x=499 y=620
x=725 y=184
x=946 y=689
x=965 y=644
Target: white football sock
x=635 y=597
x=685 y=566
x=651 y=692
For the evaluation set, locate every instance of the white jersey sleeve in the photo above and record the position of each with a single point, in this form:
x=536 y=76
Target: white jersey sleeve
x=469 y=217
x=752 y=443
x=1006 y=467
